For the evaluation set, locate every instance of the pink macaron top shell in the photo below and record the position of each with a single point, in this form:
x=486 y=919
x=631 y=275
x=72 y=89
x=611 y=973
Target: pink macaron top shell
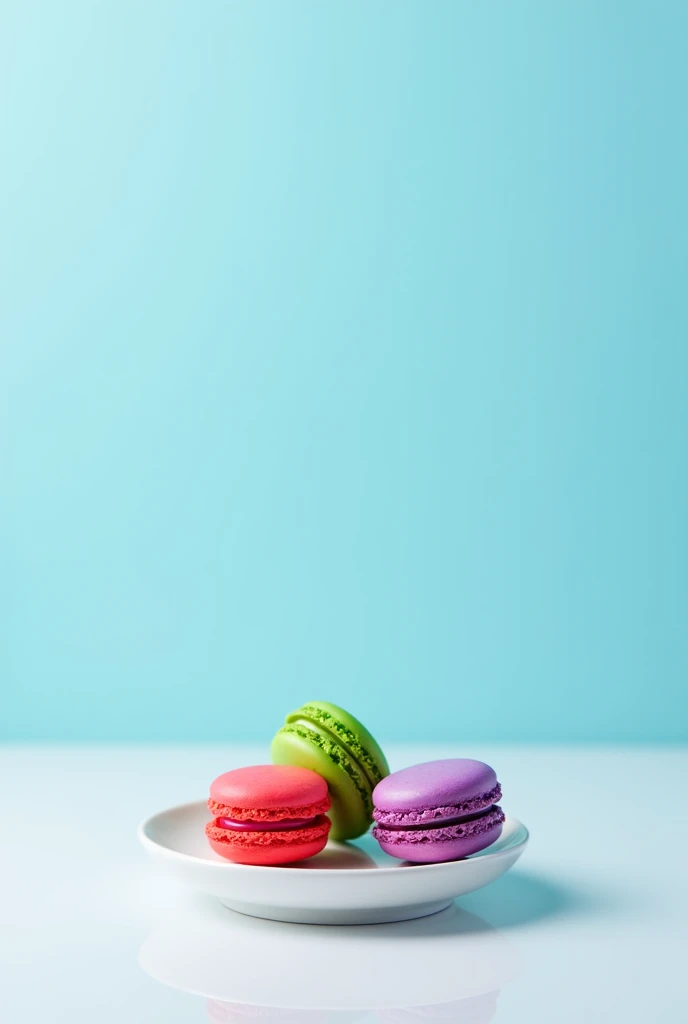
x=435 y=791
x=268 y=792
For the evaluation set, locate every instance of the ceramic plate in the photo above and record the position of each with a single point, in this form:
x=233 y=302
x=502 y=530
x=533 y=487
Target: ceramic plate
x=348 y=883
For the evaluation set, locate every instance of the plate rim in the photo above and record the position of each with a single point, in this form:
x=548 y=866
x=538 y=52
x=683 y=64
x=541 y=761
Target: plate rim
x=152 y=845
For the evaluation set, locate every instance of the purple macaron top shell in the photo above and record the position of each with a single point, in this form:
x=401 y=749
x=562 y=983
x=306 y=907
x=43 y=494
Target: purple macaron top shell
x=435 y=790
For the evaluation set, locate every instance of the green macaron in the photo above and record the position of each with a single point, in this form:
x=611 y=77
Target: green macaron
x=333 y=743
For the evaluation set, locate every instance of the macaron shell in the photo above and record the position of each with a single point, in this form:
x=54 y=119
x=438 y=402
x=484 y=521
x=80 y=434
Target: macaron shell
x=268 y=848
x=430 y=847
x=269 y=856
x=350 y=791
x=268 y=792
x=451 y=782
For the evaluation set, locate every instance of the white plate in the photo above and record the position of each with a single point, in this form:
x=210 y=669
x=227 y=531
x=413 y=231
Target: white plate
x=348 y=883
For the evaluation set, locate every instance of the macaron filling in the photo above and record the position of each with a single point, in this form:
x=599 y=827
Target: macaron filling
x=248 y=825
x=428 y=816
x=461 y=819
x=269 y=834
x=310 y=715
x=337 y=753
x=474 y=825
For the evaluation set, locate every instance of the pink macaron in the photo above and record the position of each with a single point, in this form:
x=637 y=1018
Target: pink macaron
x=268 y=814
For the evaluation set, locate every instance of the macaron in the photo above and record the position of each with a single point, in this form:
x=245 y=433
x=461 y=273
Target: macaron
x=268 y=814
x=437 y=811
x=331 y=742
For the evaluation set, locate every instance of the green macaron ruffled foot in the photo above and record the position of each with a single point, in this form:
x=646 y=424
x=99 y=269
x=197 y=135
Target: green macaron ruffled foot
x=331 y=742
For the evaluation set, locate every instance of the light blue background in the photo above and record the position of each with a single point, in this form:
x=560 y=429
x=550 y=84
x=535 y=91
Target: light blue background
x=344 y=355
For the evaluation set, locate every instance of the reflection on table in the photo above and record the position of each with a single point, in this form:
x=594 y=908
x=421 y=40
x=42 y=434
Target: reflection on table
x=446 y=967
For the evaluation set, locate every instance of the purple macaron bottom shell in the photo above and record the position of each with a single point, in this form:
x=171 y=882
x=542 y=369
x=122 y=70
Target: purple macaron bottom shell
x=434 y=845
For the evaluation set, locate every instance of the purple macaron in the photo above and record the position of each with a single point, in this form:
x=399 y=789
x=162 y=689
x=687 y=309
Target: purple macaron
x=439 y=810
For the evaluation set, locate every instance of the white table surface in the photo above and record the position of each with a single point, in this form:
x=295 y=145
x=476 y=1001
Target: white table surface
x=591 y=924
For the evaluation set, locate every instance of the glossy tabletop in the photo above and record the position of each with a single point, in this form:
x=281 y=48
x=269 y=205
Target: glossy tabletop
x=590 y=925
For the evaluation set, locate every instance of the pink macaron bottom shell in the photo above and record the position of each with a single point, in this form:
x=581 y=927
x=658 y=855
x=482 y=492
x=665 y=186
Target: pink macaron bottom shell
x=448 y=842
x=269 y=847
